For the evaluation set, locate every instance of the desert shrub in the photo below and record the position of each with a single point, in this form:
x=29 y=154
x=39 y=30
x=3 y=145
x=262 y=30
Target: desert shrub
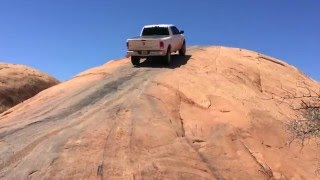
x=306 y=125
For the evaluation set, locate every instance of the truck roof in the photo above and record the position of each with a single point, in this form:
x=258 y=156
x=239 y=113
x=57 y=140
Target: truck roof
x=158 y=25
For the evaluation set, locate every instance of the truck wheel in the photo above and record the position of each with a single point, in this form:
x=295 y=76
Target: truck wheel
x=135 y=60
x=182 y=51
x=167 y=58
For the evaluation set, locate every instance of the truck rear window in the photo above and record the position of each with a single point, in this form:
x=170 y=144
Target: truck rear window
x=151 y=31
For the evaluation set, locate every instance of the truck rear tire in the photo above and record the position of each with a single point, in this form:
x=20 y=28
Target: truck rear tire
x=135 y=60
x=182 y=51
x=167 y=58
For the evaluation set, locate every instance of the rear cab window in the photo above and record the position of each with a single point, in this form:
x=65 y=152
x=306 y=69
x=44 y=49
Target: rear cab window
x=175 y=30
x=154 y=31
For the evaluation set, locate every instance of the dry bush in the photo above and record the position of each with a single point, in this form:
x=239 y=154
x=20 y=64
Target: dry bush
x=306 y=125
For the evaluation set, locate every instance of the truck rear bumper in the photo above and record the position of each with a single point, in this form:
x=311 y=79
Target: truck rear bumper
x=146 y=53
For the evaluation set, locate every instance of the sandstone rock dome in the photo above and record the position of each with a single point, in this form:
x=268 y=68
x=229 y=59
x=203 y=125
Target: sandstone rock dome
x=19 y=82
x=216 y=114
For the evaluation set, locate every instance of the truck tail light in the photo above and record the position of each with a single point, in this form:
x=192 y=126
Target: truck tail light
x=161 y=45
x=127 y=45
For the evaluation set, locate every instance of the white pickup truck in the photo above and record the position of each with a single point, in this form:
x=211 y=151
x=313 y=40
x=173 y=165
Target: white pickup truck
x=156 y=40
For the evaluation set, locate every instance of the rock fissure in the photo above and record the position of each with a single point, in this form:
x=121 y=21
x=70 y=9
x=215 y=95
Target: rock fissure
x=272 y=60
x=181 y=95
x=265 y=168
x=101 y=165
x=180 y=117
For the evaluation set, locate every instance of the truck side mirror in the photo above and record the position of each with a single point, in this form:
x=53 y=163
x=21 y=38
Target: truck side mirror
x=182 y=32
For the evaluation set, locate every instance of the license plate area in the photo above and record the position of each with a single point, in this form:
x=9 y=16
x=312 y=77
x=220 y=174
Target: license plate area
x=144 y=52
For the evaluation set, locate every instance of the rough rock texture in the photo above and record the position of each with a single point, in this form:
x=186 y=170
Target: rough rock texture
x=18 y=83
x=216 y=114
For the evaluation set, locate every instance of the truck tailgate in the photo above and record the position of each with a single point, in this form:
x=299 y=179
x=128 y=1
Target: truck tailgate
x=144 y=44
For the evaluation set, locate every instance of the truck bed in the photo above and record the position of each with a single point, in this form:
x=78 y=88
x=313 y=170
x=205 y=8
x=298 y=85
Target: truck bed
x=147 y=37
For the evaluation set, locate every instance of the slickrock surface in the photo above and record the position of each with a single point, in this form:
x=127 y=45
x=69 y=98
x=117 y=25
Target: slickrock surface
x=18 y=83
x=215 y=114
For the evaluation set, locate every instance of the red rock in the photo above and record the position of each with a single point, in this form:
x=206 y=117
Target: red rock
x=214 y=115
x=19 y=83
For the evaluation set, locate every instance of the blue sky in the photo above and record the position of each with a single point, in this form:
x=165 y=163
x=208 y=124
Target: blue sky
x=66 y=37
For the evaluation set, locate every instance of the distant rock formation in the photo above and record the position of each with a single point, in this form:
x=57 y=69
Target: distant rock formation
x=18 y=83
